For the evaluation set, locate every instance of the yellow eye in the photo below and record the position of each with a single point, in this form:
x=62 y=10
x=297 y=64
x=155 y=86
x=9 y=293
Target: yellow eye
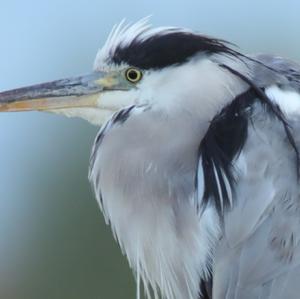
x=133 y=75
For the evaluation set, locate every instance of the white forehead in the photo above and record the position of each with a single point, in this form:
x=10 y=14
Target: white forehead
x=123 y=34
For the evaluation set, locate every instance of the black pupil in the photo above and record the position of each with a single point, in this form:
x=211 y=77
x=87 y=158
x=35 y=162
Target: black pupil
x=132 y=75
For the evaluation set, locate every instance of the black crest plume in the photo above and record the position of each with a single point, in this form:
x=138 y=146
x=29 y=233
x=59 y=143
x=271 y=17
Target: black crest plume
x=167 y=48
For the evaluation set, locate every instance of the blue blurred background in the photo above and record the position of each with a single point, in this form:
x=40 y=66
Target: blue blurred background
x=53 y=241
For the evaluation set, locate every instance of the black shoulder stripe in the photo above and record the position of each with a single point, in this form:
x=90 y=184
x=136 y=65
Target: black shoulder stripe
x=273 y=109
x=206 y=288
x=224 y=140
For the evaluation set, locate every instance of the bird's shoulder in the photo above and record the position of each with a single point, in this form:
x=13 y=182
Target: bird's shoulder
x=258 y=255
x=268 y=70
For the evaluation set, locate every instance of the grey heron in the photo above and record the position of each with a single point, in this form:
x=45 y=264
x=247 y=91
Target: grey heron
x=196 y=164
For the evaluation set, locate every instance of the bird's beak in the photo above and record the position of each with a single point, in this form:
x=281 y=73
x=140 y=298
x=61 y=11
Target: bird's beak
x=82 y=91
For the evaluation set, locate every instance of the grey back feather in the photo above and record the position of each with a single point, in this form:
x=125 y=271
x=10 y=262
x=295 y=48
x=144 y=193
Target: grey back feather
x=258 y=255
x=275 y=70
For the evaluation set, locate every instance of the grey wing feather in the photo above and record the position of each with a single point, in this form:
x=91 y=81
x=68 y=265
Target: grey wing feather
x=275 y=70
x=258 y=256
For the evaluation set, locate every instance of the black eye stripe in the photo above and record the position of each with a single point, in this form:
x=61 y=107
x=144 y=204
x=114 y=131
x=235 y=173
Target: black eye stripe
x=162 y=50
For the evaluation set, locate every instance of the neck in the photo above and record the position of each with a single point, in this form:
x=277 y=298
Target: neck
x=167 y=242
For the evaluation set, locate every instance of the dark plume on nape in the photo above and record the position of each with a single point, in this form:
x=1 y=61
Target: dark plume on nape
x=168 y=48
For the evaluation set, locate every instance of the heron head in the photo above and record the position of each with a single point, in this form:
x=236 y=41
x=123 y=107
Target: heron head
x=138 y=65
